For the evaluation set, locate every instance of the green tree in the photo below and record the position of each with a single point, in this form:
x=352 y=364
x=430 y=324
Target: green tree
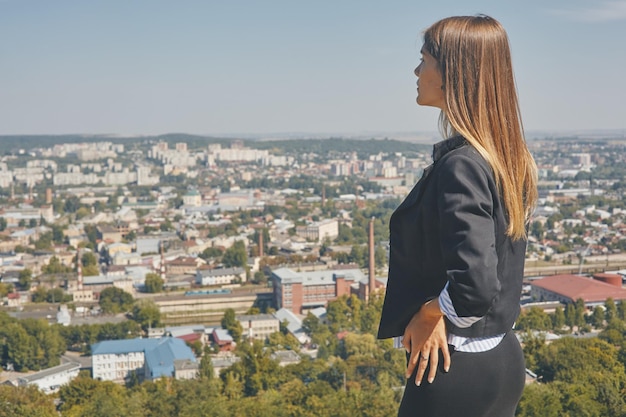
x=534 y=319
x=570 y=316
x=540 y=400
x=25 y=278
x=338 y=314
x=89 y=262
x=25 y=401
x=15 y=346
x=588 y=373
x=44 y=241
x=611 y=310
x=115 y=300
x=57 y=234
x=5 y=289
x=212 y=252
x=206 y=370
x=3 y=224
x=597 y=318
x=55 y=267
x=56 y=295
x=533 y=343
x=558 y=319
x=153 y=283
x=146 y=313
x=71 y=204
x=236 y=255
x=580 y=312
x=230 y=323
x=256 y=370
x=310 y=324
x=621 y=310
x=45 y=344
x=40 y=295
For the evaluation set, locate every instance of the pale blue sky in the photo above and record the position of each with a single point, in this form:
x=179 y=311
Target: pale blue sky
x=324 y=66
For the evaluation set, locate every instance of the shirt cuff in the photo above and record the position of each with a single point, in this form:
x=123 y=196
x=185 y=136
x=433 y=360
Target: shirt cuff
x=447 y=308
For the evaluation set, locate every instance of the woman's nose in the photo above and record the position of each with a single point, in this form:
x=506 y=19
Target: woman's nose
x=416 y=71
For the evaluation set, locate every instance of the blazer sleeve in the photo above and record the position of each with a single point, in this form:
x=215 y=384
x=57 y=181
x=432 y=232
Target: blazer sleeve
x=466 y=205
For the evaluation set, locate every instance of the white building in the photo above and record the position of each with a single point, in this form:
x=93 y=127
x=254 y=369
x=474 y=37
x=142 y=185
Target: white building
x=51 y=379
x=318 y=231
x=220 y=276
x=258 y=326
x=192 y=198
x=116 y=360
x=6 y=179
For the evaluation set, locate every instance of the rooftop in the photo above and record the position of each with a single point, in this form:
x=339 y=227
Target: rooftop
x=575 y=287
x=326 y=277
x=70 y=366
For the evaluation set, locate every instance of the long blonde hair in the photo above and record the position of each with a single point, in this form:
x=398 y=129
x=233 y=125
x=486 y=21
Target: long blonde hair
x=481 y=105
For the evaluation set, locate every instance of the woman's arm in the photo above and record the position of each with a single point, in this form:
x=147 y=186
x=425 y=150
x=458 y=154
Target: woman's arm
x=467 y=237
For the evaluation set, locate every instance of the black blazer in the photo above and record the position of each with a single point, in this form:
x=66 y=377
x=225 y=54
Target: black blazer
x=451 y=228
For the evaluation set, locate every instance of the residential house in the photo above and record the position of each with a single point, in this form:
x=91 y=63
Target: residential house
x=223 y=340
x=184 y=265
x=258 y=326
x=220 y=276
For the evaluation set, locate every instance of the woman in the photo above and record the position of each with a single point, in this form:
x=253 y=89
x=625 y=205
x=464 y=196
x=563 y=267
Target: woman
x=458 y=240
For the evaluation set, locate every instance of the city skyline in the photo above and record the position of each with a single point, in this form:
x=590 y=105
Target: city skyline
x=268 y=69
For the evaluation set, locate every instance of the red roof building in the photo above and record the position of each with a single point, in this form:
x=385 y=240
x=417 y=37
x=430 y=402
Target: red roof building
x=569 y=288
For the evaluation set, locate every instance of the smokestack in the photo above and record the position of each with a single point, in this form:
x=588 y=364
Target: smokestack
x=372 y=264
x=79 y=270
x=261 y=242
x=162 y=266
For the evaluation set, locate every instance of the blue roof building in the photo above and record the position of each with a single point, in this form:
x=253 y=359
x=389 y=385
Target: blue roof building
x=115 y=360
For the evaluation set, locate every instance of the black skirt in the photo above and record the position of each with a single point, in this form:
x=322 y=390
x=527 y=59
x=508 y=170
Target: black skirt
x=482 y=384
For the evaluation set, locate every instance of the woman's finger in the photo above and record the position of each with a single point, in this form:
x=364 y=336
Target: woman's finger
x=434 y=362
x=446 y=357
x=421 y=368
x=412 y=362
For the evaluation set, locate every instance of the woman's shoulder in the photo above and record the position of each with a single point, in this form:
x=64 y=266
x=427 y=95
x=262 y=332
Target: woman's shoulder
x=465 y=156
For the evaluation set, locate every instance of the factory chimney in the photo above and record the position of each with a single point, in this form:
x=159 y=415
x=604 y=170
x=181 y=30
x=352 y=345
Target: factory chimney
x=372 y=264
x=79 y=270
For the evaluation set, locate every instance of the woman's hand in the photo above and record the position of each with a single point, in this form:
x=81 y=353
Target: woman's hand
x=423 y=337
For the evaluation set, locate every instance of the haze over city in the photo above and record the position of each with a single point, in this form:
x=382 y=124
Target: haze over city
x=268 y=68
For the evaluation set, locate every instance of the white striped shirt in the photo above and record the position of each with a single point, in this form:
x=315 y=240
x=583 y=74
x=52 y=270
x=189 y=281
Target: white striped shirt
x=461 y=343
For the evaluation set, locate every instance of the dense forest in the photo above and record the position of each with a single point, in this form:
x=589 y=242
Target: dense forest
x=354 y=374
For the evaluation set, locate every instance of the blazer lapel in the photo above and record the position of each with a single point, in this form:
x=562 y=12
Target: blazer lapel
x=417 y=191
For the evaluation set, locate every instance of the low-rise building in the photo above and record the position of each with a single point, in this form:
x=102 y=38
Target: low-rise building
x=220 y=276
x=223 y=340
x=319 y=231
x=569 y=288
x=51 y=379
x=258 y=326
x=221 y=362
x=184 y=265
x=116 y=360
x=286 y=357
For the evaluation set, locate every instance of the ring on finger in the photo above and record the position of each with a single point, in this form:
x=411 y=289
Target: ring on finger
x=424 y=358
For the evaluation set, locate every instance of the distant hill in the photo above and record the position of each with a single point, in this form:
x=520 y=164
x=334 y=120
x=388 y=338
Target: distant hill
x=15 y=143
